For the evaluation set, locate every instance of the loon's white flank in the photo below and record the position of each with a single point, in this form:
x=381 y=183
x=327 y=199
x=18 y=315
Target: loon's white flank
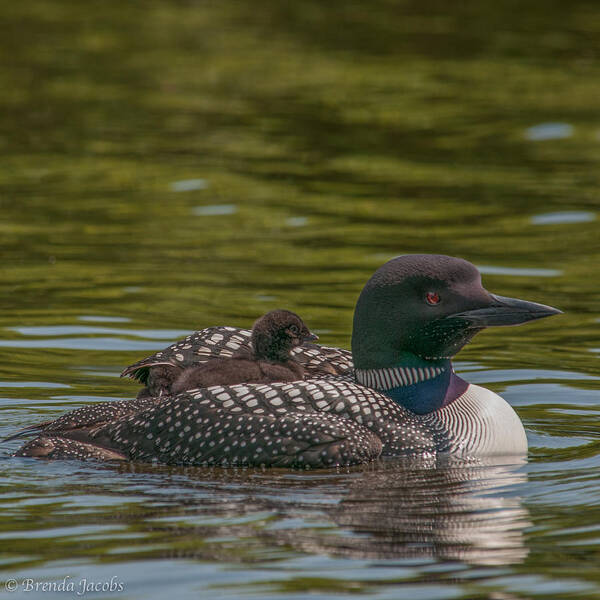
x=481 y=423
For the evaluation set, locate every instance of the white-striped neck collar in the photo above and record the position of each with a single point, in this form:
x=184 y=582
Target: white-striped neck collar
x=394 y=377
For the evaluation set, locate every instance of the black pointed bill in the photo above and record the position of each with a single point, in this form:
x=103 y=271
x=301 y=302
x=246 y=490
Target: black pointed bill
x=504 y=311
x=310 y=337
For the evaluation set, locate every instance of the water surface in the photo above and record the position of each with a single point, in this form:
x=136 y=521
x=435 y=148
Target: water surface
x=172 y=165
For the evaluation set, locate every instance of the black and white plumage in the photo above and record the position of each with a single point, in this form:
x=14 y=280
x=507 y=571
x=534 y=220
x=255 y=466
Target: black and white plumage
x=222 y=355
x=204 y=428
x=159 y=370
x=96 y=414
x=402 y=398
x=274 y=336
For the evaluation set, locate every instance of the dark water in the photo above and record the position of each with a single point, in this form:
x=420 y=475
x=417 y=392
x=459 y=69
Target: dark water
x=171 y=165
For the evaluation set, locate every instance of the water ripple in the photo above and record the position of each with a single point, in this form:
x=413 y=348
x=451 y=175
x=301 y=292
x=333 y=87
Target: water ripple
x=549 y=131
x=563 y=217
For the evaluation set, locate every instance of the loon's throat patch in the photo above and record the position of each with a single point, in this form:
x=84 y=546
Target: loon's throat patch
x=420 y=389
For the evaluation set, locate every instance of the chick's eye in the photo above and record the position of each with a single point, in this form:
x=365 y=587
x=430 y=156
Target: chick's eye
x=432 y=298
x=293 y=328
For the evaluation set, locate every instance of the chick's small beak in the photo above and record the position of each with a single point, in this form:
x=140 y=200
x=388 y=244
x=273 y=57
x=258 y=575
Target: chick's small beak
x=310 y=337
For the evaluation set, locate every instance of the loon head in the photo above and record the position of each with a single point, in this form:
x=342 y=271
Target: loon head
x=276 y=333
x=427 y=307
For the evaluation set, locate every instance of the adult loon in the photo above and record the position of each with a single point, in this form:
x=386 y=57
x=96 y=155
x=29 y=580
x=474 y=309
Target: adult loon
x=397 y=395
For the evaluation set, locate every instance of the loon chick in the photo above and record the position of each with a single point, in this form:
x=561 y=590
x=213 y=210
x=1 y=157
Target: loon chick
x=413 y=315
x=274 y=335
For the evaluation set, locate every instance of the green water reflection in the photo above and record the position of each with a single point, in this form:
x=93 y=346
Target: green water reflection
x=169 y=165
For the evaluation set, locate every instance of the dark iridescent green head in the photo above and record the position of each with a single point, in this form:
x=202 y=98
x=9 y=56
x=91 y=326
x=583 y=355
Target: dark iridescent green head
x=428 y=306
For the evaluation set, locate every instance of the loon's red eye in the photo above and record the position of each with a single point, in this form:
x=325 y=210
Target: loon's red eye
x=432 y=298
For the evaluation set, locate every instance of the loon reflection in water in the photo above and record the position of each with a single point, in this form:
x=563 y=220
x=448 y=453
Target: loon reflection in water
x=409 y=508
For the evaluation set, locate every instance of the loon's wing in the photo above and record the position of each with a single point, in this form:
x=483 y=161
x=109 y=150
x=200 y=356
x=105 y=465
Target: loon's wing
x=276 y=424
x=30 y=429
x=224 y=342
x=87 y=416
x=318 y=360
x=297 y=440
x=55 y=447
x=196 y=348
